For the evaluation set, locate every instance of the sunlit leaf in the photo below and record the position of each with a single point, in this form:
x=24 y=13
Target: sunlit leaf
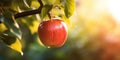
x=18 y=5
x=49 y=2
x=11 y=41
x=35 y=4
x=27 y=2
x=45 y=11
x=11 y=24
x=21 y=4
x=17 y=46
x=34 y=27
x=69 y=6
x=57 y=10
x=2 y=26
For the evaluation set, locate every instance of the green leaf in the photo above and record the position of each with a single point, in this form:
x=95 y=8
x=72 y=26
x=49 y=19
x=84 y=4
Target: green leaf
x=12 y=42
x=31 y=23
x=49 y=2
x=35 y=4
x=45 y=11
x=21 y=4
x=11 y=24
x=28 y=2
x=69 y=7
x=2 y=28
x=67 y=20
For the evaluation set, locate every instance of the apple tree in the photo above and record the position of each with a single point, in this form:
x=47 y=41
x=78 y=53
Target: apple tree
x=19 y=20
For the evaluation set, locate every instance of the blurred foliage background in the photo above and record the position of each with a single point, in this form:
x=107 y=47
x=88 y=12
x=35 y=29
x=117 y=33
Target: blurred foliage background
x=93 y=33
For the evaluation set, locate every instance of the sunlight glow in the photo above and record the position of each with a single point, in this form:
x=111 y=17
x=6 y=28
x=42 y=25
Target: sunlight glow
x=99 y=22
x=114 y=9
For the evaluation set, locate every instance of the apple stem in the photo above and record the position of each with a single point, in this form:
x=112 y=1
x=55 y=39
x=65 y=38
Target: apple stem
x=31 y=12
x=49 y=15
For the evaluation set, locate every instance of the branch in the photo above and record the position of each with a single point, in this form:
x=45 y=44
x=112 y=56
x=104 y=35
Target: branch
x=26 y=13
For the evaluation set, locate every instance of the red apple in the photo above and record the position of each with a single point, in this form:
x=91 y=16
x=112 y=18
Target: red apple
x=52 y=33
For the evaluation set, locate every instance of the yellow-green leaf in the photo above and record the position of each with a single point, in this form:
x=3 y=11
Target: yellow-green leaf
x=16 y=46
x=49 y=2
x=35 y=4
x=33 y=28
x=11 y=42
x=45 y=11
x=2 y=28
x=69 y=7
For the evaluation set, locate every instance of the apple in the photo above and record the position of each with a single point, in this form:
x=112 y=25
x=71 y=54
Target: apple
x=52 y=33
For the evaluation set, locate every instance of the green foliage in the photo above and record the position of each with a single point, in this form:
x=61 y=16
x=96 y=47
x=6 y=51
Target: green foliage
x=69 y=6
x=12 y=42
x=10 y=33
x=28 y=2
x=45 y=11
x=49 y=2
x=11 y=24
x=7 y=39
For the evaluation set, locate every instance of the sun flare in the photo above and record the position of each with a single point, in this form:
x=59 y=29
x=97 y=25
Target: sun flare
x=114 y=9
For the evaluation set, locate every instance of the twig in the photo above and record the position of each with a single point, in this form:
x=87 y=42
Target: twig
x=26 y=13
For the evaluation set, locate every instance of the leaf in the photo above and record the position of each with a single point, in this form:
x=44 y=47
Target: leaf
x=17 y=46
x=17 y=5
x=12 y=42
x=31 y=23
x=69 y=7
x=34 y=27
x=66 y=20
x=49 y=2
x=45 y=11
x=35 y=4
x=21 y=4
x=2 y=26
x=11 y=24
x=56 y=11
x=27 y=2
